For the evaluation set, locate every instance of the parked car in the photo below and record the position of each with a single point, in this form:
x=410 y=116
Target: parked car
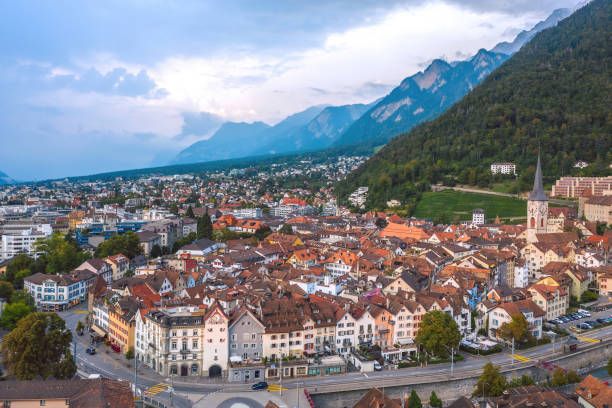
x=90 y=350
x=591 y=323
x=574 y=329
x=377 y=366
x=585 y=326
x=262 y=385
x=584 y=312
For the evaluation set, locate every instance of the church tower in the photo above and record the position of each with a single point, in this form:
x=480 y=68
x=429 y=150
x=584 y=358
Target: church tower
x=537 y=207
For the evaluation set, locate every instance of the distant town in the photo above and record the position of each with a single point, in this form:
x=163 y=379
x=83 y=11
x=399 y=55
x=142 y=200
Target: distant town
x=245 y=279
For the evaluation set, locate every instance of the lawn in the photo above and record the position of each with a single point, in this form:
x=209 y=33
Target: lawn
x=457 y=203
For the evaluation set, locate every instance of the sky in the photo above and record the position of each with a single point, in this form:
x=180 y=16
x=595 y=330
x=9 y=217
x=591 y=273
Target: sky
x=91 y=86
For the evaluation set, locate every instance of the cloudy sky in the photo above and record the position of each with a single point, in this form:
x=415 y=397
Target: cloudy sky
x=91 y=86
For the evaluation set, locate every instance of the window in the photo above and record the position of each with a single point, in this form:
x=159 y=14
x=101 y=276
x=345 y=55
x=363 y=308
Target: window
x=43 y=403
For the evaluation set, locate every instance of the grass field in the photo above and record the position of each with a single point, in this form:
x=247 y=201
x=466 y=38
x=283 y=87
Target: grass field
x=457 y=203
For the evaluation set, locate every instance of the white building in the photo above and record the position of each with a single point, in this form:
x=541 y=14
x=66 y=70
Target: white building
x=59 y=292
x=23 y=241
x=359 y=197
x=248 y=212
x=478 y=216
x=503 y=168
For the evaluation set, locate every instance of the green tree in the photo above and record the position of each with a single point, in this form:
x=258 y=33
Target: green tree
x=156 y=251
x=80 y=326
x=609 y=366
x=174 y=209
x=490 y=383
x=127 y=244
x=6 y=290
x=573 y=377
x=286 y=229
x=39 y=346
x=61 y=255
x=205 y=228
x=20 y=262
x=522 y=381
x=588 y=296
x=189 y=213
x=22 y=296
x=414 y=401
x=438 y=333
x=12 y=313
x=517 y=328
x=559 y=378
x=262 y=233
x=434 y=401
x=129 y=354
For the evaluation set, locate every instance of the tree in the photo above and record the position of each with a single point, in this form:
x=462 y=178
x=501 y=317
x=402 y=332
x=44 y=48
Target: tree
x=609 y=366
x=80 y=326
x=262 y=233
x=129 y=354
x=61 y=255
x=6 y=290
x=588 y=296
x=189 y=213
x=12 y=314
x=517 y=328
x=174 y=209
x=438 y=333
x=414 y=401
x=490 y=383
x=522 y=381
x=573 y=377
x=39 y=346
x=286 y=229
x=205 y=228
x=434 y=401
x=127 y=244
x=156 y=251
x=559 y=378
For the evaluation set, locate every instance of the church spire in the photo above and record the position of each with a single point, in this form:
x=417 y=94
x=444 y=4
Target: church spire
x=537 y=194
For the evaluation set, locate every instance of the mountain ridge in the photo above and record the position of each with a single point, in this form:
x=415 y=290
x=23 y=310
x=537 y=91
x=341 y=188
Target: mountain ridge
x=552 y=96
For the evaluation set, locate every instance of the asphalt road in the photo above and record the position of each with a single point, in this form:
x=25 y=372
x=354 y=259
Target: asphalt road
x=104 y=364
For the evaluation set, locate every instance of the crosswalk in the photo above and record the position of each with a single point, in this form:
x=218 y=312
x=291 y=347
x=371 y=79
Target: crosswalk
x=518 y=357
x=156 y=389
x=276 y=387
x=588 y=339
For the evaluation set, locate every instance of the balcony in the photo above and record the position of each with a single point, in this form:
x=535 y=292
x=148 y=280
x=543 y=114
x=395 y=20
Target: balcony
x=384 y=331
x=185 y=351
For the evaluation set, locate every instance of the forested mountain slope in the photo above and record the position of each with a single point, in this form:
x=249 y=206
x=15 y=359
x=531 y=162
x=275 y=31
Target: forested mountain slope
x=554 y=94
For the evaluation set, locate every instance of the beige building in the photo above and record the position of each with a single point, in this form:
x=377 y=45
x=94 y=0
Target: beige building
x=599 y=209
x=554 y=300
x=170 y=341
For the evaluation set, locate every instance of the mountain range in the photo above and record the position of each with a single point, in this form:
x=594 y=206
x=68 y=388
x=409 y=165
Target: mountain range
x=418 y=98
x=552 y=97
x=4 y=179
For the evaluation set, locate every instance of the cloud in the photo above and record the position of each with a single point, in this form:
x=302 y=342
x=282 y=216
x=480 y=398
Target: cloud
x=94 y=88
x=200 y=125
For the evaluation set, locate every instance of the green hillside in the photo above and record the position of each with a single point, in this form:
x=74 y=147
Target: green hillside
x=445 y=205
x=554 y=94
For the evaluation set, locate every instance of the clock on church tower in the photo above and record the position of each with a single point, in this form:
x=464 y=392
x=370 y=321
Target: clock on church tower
x=537 y=207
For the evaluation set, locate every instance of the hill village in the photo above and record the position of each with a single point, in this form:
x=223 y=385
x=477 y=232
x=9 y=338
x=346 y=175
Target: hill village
x=235 y=274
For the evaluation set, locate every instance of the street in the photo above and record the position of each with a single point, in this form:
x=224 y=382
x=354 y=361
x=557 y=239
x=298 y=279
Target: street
x=189 y=390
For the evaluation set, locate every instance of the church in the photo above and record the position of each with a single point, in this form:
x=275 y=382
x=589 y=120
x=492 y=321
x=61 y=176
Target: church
x=537 y=208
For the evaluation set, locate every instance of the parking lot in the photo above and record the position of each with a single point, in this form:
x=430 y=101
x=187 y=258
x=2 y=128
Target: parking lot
x=577 y=322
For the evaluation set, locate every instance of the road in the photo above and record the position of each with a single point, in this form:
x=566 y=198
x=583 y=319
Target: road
x=478 y=191
x=151 y=383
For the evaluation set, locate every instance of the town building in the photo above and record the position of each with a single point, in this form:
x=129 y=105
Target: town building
x=503 y=168
x=537 y=207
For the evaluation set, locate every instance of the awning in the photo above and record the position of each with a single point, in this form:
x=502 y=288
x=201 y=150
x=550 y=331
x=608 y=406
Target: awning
x=98 y=330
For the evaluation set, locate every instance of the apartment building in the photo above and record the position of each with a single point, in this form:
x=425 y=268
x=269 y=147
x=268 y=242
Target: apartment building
x=576 y=186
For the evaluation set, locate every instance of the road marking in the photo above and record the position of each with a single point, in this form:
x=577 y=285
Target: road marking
x=81 y=312
x=276 y=387
x=590 y=340
x=520 y=358
x=156 y=389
